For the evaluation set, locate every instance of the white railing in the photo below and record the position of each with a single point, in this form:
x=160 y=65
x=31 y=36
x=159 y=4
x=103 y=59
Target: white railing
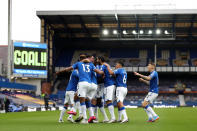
x=159 y=69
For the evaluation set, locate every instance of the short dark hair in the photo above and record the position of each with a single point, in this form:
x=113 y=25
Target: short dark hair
x=121 y=63
x=82 y=57
x=88 y=56
x=101 y=58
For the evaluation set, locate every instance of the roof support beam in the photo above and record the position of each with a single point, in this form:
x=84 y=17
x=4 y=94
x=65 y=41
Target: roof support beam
x=191 y=26
x=173 y=26
x=155 y=25
x=137 y=25
x=100 y=23
x=84 y=27
x=51 y=29
x=66 y=28
x=118 y=28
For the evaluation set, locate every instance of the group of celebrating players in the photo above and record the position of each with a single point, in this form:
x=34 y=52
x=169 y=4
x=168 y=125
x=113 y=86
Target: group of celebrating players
x=93 y=82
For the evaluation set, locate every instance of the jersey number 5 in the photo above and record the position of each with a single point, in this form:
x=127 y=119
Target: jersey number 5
x=86 y=68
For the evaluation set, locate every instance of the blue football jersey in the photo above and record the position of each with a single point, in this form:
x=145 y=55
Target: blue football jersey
x=85 y=71
x=100 y=68
x=99 y=77
x=108 y=79
x=121 y=77
x=154 y=82
x=94 y=76
x=74 y=79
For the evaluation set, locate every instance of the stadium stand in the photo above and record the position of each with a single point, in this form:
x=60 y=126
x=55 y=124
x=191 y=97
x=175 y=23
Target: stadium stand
x=131 y=57
x=18 y=100
x=31 y=99
x=27 y=99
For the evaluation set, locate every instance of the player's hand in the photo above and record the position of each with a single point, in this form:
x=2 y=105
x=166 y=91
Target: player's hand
x=137 y=74
x=141 y=80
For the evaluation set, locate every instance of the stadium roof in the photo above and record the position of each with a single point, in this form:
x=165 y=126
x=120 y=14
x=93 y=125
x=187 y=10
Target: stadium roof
x=104 y=12
x=89 y=23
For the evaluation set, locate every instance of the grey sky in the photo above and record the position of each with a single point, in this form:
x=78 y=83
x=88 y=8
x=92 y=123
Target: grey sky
x=26 y=25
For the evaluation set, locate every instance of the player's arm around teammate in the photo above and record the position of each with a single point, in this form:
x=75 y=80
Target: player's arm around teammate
x=70 y=68
x=65 y=70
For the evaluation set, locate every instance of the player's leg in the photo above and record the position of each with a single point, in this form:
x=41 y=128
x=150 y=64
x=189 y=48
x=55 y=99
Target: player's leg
x=64 y=108
x=93 y=99
x=82 y=92
x=110 y=91
x=150 y=112
x=78 y=107
x=148 y=109
x=91 y=93
x=89 y=104
x=150 y=117
x=72 y=101
x=95 y=108
x=91 y=112
x=83 y=109
x=89 y=107
x=63 y=112
x=118 y=104
x=94 y=103
x=77 y=104
x=73 y=110
x=144 y=104
x=100 y=104
x=121 y=93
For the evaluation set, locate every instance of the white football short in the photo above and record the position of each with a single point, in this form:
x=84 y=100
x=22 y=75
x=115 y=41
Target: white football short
x=92 y=91
x=69 y=97
x=121 y=93
x=151 y=97
x=109 y=92
x=83 y=88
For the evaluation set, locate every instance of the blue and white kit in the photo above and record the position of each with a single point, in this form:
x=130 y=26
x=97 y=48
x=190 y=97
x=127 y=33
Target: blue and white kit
x=100 y=89
x=71 y=87
x=154 y=89
x=109 y=84
x=85 y=78
x=121 y=83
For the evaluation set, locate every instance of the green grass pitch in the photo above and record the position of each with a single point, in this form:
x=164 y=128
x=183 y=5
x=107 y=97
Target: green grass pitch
x=178 y=119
